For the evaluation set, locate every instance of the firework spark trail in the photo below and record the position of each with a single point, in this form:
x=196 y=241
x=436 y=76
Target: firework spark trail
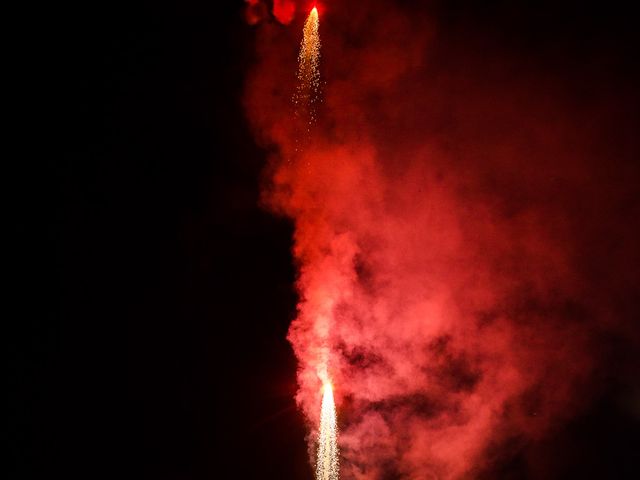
x=327 y=466
x=308 y=89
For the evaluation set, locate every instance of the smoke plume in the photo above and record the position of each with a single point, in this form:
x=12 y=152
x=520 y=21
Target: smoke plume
x=464 y=235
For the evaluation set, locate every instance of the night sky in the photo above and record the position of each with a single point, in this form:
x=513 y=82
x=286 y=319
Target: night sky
x=162 y=351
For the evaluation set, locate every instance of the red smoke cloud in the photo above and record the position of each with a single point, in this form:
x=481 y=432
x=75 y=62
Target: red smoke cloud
x=283 y=11
x=255 y=11
x=464 y=236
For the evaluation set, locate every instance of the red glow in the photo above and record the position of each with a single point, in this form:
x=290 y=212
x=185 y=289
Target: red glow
x=284 y=10
x=255 y=12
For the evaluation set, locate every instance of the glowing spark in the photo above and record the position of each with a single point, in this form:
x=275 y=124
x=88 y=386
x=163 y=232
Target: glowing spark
x=327 y=466
x=308 y=91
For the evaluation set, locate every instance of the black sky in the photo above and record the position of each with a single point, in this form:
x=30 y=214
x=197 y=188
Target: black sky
x=162 y=353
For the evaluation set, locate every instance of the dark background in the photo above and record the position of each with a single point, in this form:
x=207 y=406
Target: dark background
x=167 y=291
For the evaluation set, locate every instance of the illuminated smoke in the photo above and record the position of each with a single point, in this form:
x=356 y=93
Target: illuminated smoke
x=284 y=10
x=462 y=243
x=257 y=11
x=327 y=466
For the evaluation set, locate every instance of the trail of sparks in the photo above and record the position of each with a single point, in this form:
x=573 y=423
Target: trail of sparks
x=327 y=466
x=308 y=89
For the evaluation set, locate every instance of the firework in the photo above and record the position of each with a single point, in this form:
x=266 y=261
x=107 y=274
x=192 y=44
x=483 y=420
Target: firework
x=327 y=466
x=308 y=90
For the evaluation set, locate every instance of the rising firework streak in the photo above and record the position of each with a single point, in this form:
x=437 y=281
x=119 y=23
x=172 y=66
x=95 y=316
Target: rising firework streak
x=327 y=466
x=308 y=90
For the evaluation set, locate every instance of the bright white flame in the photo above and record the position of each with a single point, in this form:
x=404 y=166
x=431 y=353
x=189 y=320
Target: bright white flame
x=327 y=466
